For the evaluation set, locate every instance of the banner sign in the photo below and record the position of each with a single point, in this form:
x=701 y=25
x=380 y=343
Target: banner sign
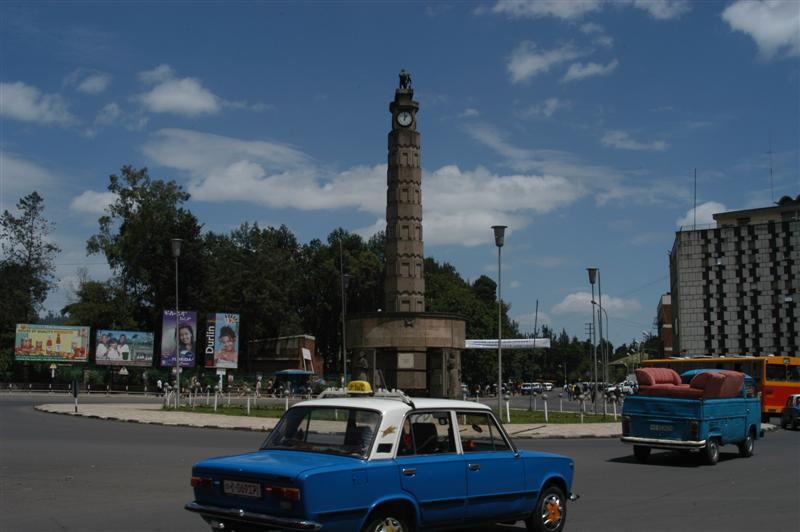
x=187 y=326
x=222 y=341
x=123 y=348
x=51 y=343
x=510 y=343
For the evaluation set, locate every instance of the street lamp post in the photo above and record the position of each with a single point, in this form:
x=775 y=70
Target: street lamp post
x=345 y=284
x=176 y=252
x=499 y=238
x=592 y=279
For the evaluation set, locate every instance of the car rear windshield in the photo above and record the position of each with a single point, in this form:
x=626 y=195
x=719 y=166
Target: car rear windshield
x=341 y=431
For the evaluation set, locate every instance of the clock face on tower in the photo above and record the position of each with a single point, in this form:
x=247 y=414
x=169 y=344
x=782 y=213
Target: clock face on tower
x=404 y=118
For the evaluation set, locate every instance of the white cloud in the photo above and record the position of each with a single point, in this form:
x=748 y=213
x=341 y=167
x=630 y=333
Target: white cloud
x=19 y=177
x=581 y=303
x=705 y=214
x=459 y=205
x=563 y=9
x=575 y=9
x=526 y=61
x=92 y=202
x=515 y=284
x=186 y=96
x=664 y=9
x=578 y=71
x=623 y=141
x=108 y=114
x=773 y=25
x=26 y=103
x=469 y=112
x=546 y=108
x=606 y=183
x=88 y=81
x=181 y=96
x=598 y=34
x=159 y=74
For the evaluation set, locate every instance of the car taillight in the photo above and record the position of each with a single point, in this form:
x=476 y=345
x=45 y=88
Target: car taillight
x=626 y=425
x=695 y=428
x=201 y=482
x=287 y=494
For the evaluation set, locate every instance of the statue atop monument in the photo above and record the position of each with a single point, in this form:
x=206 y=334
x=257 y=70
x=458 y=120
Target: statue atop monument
x=405 y=79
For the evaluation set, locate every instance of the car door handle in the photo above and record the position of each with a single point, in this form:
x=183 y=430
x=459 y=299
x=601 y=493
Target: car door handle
x=474 y=467
x=409 y=471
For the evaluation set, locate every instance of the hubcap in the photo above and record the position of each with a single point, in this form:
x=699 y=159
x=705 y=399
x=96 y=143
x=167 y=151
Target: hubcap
x=390 y=524
x=552 y=512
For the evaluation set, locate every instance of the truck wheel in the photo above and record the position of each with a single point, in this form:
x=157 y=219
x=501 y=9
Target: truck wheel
x=711 y=452
x=746 y=446
x=550 y=513
x=641 y=452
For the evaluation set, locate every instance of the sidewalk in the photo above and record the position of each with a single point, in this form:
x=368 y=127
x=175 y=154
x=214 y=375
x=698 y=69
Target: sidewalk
x=153 y=414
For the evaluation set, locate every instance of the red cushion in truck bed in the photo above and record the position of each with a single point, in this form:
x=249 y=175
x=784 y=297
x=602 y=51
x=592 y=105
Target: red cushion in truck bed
x=651 y=376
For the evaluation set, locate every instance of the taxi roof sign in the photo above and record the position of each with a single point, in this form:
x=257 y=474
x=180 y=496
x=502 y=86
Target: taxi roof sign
x=359 y=388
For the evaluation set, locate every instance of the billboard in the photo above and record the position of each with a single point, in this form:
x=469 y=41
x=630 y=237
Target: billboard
x=123 y=348
x=51 y=343
x=222 y=341
x=187 y=338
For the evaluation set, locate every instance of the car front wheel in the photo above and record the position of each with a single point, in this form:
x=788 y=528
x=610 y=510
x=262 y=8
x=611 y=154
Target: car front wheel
x=550 y=514
x=389 y=522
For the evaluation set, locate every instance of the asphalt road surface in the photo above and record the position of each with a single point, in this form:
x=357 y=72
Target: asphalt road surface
x=59 y=473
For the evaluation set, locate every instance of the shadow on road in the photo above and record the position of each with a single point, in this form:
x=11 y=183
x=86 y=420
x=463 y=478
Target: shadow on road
x=685 y=459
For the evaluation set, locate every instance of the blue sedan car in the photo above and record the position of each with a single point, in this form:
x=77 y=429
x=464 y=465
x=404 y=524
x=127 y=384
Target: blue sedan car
x=384 y=465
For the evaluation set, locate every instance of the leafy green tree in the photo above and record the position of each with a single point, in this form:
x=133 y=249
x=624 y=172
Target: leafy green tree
x=26 y=270
x=135 y=238
x=105 y=305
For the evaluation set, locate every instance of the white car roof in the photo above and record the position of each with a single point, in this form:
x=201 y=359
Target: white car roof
x=393 y=405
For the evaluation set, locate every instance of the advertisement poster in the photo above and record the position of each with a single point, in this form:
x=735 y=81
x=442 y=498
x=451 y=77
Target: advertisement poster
x=51 y=343
x=187 y=338
x=222 y=341
x=123 y=348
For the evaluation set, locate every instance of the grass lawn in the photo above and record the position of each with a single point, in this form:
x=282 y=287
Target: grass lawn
x=517 y=416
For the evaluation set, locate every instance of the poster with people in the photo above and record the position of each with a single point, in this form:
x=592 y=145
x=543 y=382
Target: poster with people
x=51 y=343
x=186 y=323
x=222 y=341
x=123 y=348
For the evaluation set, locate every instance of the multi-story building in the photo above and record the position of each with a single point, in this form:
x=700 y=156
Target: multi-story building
x=664 y=322
x=735 y=287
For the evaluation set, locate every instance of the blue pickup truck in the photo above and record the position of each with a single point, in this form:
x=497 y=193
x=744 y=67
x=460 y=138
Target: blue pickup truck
x=697 y=411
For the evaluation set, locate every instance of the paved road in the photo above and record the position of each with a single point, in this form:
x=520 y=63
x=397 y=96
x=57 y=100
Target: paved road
x=60 y=473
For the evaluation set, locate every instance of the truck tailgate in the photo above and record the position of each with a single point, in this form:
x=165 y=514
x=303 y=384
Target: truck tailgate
x=662 y=419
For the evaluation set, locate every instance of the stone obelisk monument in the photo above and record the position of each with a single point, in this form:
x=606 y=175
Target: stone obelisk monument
x=404 y=285
x=402 y=345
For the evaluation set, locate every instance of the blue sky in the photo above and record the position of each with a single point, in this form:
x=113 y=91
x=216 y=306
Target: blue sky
x=577 y=124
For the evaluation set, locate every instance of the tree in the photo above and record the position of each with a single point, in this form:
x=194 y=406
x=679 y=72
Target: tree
x=135 y=237
x=105 y=305
x=26 y=270
x=27 y=257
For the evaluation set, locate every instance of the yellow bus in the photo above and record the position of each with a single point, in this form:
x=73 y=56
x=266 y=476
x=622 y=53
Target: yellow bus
x=776 y=377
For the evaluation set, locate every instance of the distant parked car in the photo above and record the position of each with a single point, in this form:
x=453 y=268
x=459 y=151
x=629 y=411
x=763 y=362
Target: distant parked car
x=374 y=464
x=790 y=417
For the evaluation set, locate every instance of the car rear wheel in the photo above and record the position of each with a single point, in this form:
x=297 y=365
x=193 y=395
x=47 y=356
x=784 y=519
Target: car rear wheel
x=550 y=514
x=389 y=521
x=711 y=452
x=641 y=452
x=746 y=447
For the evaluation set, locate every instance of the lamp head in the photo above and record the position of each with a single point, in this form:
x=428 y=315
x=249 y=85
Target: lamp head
x=176 y=247
x=499 y=234
x=592 y=275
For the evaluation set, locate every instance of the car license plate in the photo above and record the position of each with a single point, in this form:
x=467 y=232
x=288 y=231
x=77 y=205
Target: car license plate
x=661 y=428
x=241 y=489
